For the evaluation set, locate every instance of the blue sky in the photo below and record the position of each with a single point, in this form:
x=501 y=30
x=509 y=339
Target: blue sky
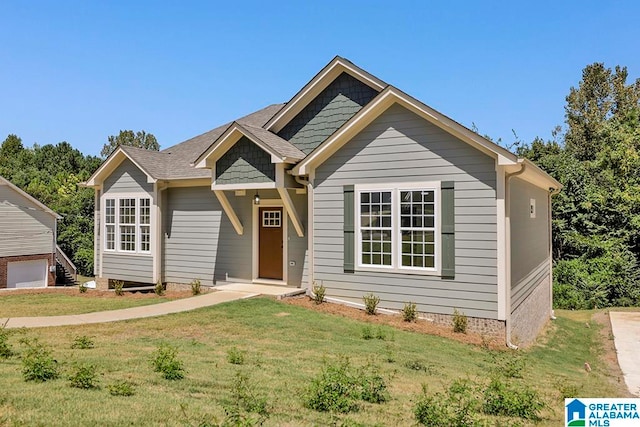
x=80 y=71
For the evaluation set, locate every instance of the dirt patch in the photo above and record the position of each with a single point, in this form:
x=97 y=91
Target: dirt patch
x=94 y=293
x=396 y=321
x=609 y=354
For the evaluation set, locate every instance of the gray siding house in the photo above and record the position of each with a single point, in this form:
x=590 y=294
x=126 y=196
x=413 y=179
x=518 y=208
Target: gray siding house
x=27 y=240
x=353 y=185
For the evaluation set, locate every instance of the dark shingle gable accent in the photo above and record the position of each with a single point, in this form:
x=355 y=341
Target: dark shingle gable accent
x=245 y=162
x=336 y=104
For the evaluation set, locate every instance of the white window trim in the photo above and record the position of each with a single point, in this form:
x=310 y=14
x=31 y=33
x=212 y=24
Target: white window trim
x=138 y=225
x=396 y=243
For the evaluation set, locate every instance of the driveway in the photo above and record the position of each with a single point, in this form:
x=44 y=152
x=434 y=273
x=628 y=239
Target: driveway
x=626 y=333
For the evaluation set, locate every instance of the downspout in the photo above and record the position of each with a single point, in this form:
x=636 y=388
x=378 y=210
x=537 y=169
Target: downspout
x=552 y=192
x=507 y=192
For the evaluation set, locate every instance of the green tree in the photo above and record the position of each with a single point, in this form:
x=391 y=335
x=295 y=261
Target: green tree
x=139 y=139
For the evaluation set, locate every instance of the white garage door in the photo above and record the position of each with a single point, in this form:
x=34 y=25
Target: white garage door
x=27 y=274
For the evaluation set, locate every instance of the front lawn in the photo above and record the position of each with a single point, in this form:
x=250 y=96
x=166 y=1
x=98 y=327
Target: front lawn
x=56 y=302
x=278 y=350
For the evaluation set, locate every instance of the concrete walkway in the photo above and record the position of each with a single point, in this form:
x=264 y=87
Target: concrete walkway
x=224 y=293
x=626 y=332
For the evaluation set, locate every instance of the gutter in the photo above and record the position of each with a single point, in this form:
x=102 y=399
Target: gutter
x=552 y=192
x=507 y=178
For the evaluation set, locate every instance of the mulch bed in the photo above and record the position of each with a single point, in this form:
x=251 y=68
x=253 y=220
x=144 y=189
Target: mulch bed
x=396 y=321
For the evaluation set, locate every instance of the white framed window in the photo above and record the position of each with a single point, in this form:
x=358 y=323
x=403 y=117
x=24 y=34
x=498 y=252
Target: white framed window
x=397 y=227
x=110 y=224
x=127 y=224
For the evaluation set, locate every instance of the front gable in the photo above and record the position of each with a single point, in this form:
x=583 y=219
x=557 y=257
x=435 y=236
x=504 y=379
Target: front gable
x=327 y=112
x=244 y=162
x=127 y=177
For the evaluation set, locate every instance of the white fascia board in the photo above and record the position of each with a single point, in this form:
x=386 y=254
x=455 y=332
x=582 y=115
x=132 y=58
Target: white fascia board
x=246 y=186
x=380 y=104
x=227 y=140
x=29 y=197
x=109 y=165
x=336 y=67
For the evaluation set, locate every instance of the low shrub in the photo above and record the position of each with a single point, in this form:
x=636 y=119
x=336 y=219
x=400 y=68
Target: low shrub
x=373 y=388
x=235 y=356
x=84 y=376
x=409 y=312
x=118 y=286
x=38 y=363
x=159 y=289
x=82 y=342
x=245 y=399
x=319 y=293
x=431 y=410
x=418 y=365
x=166 y=361
x=334 y=390
x=511 y=400
x=82 y=288
x=460 y=321
x=121 y=388
x=371 y=302
x=5 y=348
x=196 y=287
x=367 y=333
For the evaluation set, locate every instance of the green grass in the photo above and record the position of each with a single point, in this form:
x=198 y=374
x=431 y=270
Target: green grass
x=285 y=347
x=55 y=304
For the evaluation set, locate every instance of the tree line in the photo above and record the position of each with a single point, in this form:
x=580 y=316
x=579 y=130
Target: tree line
x=596 y=216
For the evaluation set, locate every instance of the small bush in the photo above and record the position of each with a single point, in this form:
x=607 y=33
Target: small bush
x=373 y=388
x=166 y=361
x=334 y=390
x=418 y=365
x=82 y=342
x=121 y=388
x=196 y=287
x=500 y=398
x=431 y=410
x=409 y=312
x=159 y=289
x=244 y=398
x=235 y=356
x=118 y=286
x=38 y=364
x=319 y=293
x=367 y=333
x=82 y=288
x=84 y=376
x=460 y=321
x=5 y=347
x=371 y=302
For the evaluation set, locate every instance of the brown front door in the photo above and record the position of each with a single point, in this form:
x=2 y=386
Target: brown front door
x=270 y=243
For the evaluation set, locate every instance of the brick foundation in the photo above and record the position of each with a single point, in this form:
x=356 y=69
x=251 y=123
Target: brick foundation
x=171 y=286
x=531 y=316
x=489 y=327
x=4 y=270
x=102 y=283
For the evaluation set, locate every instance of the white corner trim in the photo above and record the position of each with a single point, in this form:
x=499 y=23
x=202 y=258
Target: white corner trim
x=228 y=209
x=291 y=210
x=501 y=235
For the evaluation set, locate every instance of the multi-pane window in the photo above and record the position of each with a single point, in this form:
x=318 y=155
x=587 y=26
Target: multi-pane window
x=129 y=227
x=271 y=218
x=375 y=228
x=398 y=227
x=145 y=225
x=110 y=224
x=417 y=228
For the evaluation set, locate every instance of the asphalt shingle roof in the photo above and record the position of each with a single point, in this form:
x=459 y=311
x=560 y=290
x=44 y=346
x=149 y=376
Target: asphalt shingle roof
x=175 y=162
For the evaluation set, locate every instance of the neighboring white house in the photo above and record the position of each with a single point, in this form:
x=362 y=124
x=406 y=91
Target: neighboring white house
x=27 y=240
x=353 y=185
